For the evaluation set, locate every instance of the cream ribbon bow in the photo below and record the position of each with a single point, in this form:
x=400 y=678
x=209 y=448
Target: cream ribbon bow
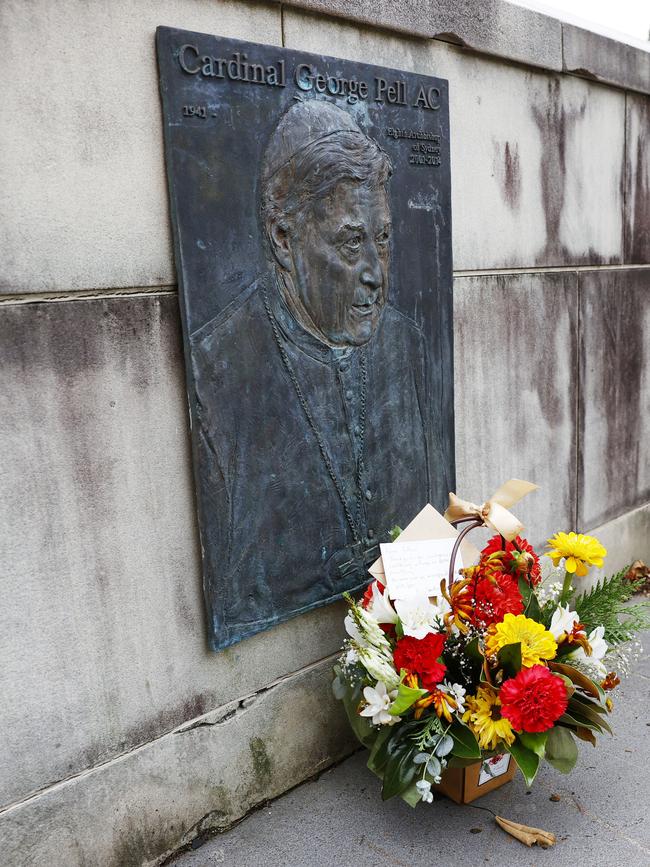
x=494 y=512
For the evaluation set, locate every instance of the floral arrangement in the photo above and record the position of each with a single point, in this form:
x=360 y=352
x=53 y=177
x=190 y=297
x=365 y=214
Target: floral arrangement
x=505 y=660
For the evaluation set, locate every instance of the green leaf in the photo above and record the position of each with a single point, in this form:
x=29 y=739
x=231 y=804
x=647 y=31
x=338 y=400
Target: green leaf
x=395 y=532
x=406 y=696
x=378 y=754
x=577 y=721
x=581 y=711
x=473 y=652
x=561 y=749
x=465 y=744
x=510 y=658
x=526 y=591
x=399 y=772
x=527 y=761
x=534 y=741
x=411 y=794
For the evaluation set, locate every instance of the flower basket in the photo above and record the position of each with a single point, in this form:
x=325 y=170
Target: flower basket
x=499 y=670
x=464 y=785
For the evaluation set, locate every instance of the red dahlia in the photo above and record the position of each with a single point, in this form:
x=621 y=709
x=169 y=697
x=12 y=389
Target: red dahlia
x=534 y=699
x=420 y=656
x=493 y=599
x=519 y=558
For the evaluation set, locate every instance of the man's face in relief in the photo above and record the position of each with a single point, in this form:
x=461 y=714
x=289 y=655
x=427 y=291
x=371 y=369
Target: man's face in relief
x=340 y=253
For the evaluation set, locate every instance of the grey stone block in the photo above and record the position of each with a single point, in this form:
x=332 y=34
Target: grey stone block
x=492 y=27
x=596 y=56
x=516 y=346
x=84 y=195
x=637 y=180
x=627 y=538
x=102 y=636
x=537 y=160
x=135 y=811
x=614 y=413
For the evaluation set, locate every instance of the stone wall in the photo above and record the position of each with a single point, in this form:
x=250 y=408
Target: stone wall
x=122 y=736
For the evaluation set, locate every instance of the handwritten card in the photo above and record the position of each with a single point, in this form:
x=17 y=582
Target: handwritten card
x=416 y=568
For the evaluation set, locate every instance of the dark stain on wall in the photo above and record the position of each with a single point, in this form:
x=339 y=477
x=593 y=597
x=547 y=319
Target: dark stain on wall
x=615 y=350
x=637 y=181
x=507 y=169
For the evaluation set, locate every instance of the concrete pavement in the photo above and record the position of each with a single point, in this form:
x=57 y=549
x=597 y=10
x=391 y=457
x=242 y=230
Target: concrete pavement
x=339 y=819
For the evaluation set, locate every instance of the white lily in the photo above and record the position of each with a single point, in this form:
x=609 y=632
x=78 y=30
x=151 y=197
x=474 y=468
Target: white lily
x=379 y=699
x=418 y=616
x=380 y=606
x=592 y=664
x=562 y=622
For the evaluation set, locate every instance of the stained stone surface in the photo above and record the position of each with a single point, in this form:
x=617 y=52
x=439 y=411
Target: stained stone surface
x=614 y=411
x=600 y=57
x=102 y=628
x=528 y=150
x=637 y=180
x=516 y=353
x=84 y=200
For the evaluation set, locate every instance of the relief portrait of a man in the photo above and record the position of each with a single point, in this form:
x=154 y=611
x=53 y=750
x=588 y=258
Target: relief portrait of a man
x=313 y=409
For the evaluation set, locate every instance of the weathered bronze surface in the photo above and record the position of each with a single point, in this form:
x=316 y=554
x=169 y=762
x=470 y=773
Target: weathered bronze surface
x=310 y=203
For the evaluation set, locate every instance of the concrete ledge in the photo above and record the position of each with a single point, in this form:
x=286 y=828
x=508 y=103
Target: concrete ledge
x=503 y=30
x=627 y=538
x=200 y=778
x=491 y=27
x=603 y=59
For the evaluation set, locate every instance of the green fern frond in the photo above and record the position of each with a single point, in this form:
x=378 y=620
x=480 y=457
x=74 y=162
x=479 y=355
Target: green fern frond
x=604 y=605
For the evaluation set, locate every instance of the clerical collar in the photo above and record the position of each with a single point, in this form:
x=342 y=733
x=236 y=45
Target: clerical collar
x=294 y=332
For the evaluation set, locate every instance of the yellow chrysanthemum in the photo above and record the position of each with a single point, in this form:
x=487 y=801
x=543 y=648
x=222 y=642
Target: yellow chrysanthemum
x=537 y=643
x=579 y=551
x=483 y=716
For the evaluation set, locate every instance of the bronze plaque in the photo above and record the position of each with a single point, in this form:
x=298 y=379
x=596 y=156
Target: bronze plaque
x=310 y=202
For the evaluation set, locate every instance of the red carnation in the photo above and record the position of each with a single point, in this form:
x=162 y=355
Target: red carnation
x=493 y=599
x=534 y=699
x=519 y=558
x=420 y=656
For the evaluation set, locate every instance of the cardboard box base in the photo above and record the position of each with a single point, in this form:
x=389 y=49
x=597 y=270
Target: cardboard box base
x=464 y=785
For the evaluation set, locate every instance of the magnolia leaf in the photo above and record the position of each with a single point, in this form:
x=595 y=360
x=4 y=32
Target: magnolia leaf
x=574 y=721
x=399 y=772
x=527 y=761
x=526 y=834
x=406 y=696
x=576 y=676
x=561 y=749
x=534 y=741
x=510 y=658
x=586 y=735
x=581 y=712
x=594 y=705
x=465 y=744
x=378 y=752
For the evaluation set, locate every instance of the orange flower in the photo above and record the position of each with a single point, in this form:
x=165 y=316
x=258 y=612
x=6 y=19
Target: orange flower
x=459 y=598
x=443 y=704
x=611 y=681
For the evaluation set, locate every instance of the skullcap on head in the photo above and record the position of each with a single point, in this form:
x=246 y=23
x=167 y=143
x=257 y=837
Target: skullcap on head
x=304 y=124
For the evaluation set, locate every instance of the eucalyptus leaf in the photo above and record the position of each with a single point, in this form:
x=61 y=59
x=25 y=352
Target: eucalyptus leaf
x=444 y=746
x=561 y=749
x=338 y=688
x=421 y=758
x=434 y=767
